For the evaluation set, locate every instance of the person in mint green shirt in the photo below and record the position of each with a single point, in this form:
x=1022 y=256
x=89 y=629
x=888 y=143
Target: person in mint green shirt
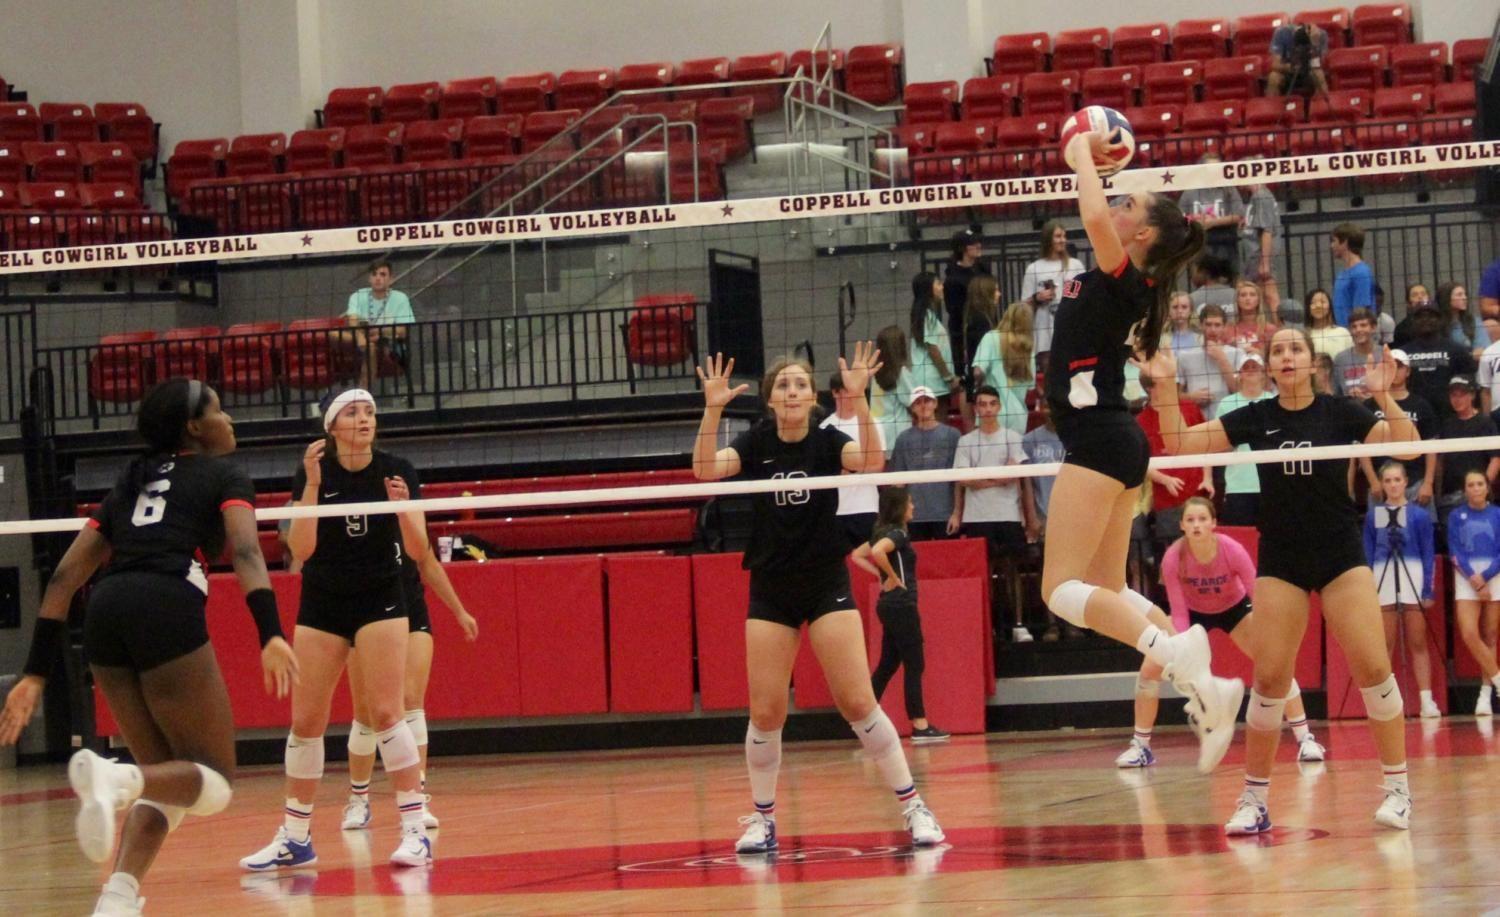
x=380 y=315
x=891 y=387
x=931 y=347
x=1242 y=482
x=1004 y=361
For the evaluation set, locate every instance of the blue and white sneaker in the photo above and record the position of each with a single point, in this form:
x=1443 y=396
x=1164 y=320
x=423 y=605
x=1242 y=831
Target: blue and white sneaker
x=1250 y=817
x=356 y=812
x=281 y=853
x=1137 y=755
x=922 y=825
x=1395 y=810
x=759 y=836
x=415 y=849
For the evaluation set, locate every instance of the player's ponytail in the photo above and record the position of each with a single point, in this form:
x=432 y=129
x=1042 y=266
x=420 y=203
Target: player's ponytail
x=162 y=422
x=1178 y=241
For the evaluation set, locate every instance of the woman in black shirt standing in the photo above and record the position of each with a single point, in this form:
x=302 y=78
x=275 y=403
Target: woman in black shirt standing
x=1107 y=315
x=797 y=575
x=146 y=637
x=1310 y=541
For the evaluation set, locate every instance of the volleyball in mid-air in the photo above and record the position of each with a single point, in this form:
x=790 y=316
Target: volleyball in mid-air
x=1107 y=122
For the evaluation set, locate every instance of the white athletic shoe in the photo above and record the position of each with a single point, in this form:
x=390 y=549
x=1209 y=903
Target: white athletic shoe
x=1395 y=810
x=281 y=853
x=1483 y=707
x=759 y=836
x=114 y=905
x=1212 y=712
x=1190 y=659
x=922 y=825
x=1309 y=750
x=1136 y=755
x=100 y=794
x=1250 y=817
x=1430 y=710
x=429 y=821
x=415 y=849
x=356 y=812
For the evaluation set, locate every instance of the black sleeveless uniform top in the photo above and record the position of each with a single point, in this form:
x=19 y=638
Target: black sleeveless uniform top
x=357 y=553
x=792 y=530
x=1091 y=345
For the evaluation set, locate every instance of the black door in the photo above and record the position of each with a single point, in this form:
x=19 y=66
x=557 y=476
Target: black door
x=734 y=326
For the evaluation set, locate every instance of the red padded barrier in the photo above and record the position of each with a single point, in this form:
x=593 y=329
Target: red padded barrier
x=1229 y=662
x=954 y=684
x=961 y=558
x=1344 y=699
x=488 y=591
x=721 y=599
x=650 y=634
x=560 y=635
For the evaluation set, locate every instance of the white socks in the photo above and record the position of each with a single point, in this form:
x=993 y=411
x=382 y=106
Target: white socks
x=882 y=743
x=763 y=758
x=1156 y=645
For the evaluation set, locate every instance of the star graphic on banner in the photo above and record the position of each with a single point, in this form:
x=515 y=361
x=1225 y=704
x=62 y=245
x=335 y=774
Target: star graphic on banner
x=307 y=241
x=1166 y=178
x=727 y=210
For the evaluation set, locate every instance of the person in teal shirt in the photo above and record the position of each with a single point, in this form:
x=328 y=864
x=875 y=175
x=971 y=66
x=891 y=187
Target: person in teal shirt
x=931 y=347
x=1003 y=360
x=1242 y=482
x=379 y=315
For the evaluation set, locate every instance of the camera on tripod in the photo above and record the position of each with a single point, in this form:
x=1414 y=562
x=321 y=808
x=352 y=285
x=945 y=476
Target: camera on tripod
x=1301 y=59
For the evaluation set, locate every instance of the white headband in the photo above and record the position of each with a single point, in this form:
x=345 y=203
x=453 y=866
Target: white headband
x=352 y=396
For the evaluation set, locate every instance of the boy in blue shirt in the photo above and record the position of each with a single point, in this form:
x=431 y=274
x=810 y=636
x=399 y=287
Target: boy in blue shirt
x=1354 y=287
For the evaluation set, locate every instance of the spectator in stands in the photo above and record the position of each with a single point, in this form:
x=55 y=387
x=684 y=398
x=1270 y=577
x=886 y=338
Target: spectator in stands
x=858 y=503
x=1213 y=280
x=1349 y=366
x=1323 y=383
x=1417 y=297
x=890 y=392
x=962 y=269
x=1252 y=328
x=1418 y=472
x=1463 y=326
x=1003 y=361
x=981 y=315
x=999 y=510
x=1326 y=336
x=1489 y=291
x=1170 y=489
x=1260 y=236
x=1435 y=359
x=1242 y=482
x=1463 y=421
x=931 y=347
x=1207 y=373
x=1353 y=288
x=1488 y=377
x=1043 y=281
x=1297 y=52
x=1221 y=211
x=1182 y=325
x=380 y=315
x=926 y=445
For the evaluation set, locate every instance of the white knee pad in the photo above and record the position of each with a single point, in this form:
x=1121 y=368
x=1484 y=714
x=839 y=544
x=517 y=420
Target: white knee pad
x=1137 y=601
x=1147 y=687
x=416 y=720
x=877 y=734
x=398 y=750
x=1295 y=693
x=215 y=795
x=1383 y=701
x=1069 y=599
x=304 y=757
x=1264 y=713
x=361 y=739
x=173 y=814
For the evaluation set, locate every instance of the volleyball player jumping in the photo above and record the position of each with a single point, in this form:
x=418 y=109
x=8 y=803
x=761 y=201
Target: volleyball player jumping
x=146 y=637
x=797 y=575
x=351 y=597
x=1310 y=541
x=1140 y=245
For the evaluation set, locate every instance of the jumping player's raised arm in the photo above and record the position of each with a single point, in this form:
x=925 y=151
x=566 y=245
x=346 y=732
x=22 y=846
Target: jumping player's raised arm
x=1093 y=206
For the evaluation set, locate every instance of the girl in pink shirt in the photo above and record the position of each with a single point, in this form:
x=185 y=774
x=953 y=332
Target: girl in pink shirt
x=1209 y=579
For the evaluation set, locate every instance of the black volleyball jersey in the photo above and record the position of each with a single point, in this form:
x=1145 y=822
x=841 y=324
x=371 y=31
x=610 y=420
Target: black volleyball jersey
x=356 y=553
x=175 y=520
x=903 y=559
x=1305 y=502
x=792 y=529
x=1092 y=340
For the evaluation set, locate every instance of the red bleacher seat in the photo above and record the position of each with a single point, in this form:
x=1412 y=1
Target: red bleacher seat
x=311 y=150
x=442 y=186
x=388 y=194
x=824 y=62
x=1453 y=98
x=1340 y=105
x=49 y=196
x=246 y=356
x=326 y=197
x=1467 y=53
x=308 y=356
x=29 y=230
x=1249 y=144
x=120 y=368
x=1334 y=21
x=1252 y=34
x=255 y=154
x=69 y=122
x=729 y=120
x=659 y=329
x=1213 y=117
x=109 y=196
x=707 y=163
x=1382 y=24
x=1021 y=54
x=266 y=203
x=1201 y=39
x=1049 y=93
x=128 y=123
x=353 y=106
x=1327 y=138
x=373 y=145
x=411 y=102
x=1402 y=102
x=915 y=138
x=1423 y=64
x=492 y=135
x=1454 y=124
x=929 y=102
x=187 y=352
x=1137 y=45
x=1080 y=49
x=990 y=97
x=1357 y=68
x=963 y=137
x=19 y=122
x=52 y=162
x=760 y=67
x=432 y=141
x=654 y=75
x=701 y=72
x=1154 y=121
x=1114 y=87
x=525 y=93
x=1026 y=131
x=938 y=169
x=468 y=98
x=581 y=89
x=109 y=161
x=608 y=128
x=12 y=165
x=1232 y=78
x=542 y=126
x=1282 y=111
x=215 y=200
x=873 y=73
x=679 y=113
x=10 y=198
x=1171 y=82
